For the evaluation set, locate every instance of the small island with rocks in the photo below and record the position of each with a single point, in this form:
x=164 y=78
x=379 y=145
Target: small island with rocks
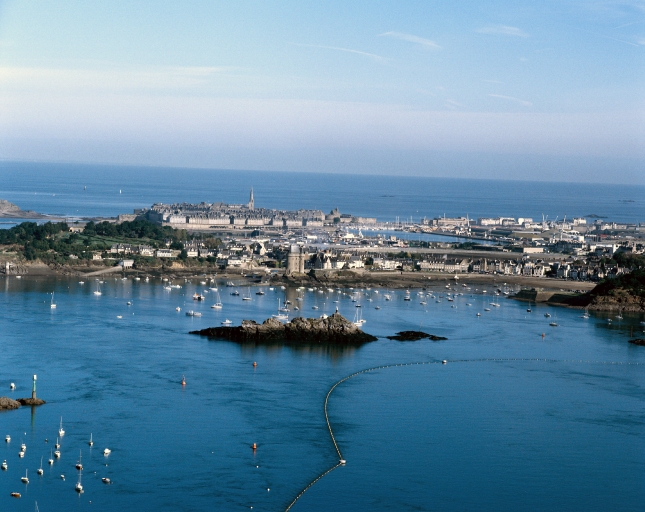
x=415 y=336
x=334 y=329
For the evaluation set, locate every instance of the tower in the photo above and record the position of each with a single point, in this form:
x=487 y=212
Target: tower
x=251 y=201
x=33 y=389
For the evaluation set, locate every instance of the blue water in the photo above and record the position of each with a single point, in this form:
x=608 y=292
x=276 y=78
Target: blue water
x=478 y=435
x=59 y=189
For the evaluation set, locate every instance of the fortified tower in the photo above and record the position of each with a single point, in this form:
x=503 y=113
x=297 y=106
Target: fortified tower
x=296 y=259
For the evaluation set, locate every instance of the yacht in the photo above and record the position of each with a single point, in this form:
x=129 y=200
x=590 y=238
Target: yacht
x=52 y=305
x=107 y=452
x=79 y=464
x=61 y=432
x=40 y=469
x=4 y=465
x=79 y=487
x=98 y=290
x=24 y=479
x=227 y=322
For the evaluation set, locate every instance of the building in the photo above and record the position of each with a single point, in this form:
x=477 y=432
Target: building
x=296 y=259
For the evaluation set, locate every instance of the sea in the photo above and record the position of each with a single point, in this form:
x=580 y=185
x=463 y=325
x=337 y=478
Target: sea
x=522 y=416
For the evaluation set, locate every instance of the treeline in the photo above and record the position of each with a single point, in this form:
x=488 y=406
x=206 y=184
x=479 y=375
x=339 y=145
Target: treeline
x=28 y=232
x=135 y=229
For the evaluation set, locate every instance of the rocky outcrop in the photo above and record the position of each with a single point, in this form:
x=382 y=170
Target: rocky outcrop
x=31 y=401
x=334 y=329
x=415 y=336
x=638 y=341
x=10 y=210
x=8 y=403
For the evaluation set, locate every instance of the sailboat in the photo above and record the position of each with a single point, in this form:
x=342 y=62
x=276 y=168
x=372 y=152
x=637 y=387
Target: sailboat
x=358 y=318
x=53 y=304
x=248 y=296
x=79 y=464
x=61 y=432
x=24 y=479
x=51 y=457
x=218 y=304
x=98 y=289
x=57 y=445
x=79 y=487
x=91 y=443
x=281 y=316
x=40 y=469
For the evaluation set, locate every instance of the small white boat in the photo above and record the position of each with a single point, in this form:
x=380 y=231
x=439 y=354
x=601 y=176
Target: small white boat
x=61 y=432
x=553 y=324
x=79 y=487
x=7 y=439
x=52 y=305
x=4 y=466
x=81 y=282
x=12 y=386
x=177 y=308
x=227 y=322
x=40 y=469
x=79 y=464
x=24 y=479
x=51 y=457
x=119 y=316
x=57 y=454
x=23 y=447
x=314 y=307
x=377 y=307
x=57 y=445
x=107 y=452
x=193 y=313
x=91 y=443
x=129 y=303
x=105 y=480
x=479 y=314
x=98 y=290
x=21 y=454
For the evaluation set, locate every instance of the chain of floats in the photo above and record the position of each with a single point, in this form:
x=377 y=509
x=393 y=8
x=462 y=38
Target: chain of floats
x=341 y=461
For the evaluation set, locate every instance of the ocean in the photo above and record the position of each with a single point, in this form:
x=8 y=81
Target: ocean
x=513 y=421
x=75 y=190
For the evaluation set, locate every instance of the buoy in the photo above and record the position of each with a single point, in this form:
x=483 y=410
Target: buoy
x=342 y=461
x=183 y=380
x=543 y=335
x=444 y=361
x=254 y=364
x=255 y=446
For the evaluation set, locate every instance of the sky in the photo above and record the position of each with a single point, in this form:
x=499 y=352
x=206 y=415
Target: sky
x=551 y=90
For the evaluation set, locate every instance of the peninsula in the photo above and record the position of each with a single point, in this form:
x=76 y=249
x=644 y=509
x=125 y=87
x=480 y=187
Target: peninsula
x=334 y=329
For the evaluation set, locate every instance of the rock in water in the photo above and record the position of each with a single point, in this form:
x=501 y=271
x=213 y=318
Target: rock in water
x=8 y=403
x=334 y=329
x=638 y=341
x=415 y=336
x=31 y=401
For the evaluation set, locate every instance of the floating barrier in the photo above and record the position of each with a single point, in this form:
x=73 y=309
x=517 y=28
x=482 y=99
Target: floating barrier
x=342 y=461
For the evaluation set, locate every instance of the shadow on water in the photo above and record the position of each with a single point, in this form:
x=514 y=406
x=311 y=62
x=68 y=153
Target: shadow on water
x=329 y=350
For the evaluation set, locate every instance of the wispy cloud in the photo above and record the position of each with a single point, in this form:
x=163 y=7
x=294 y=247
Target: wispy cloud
x=339 y=49
x=511 y=98
x=427 y=43
x=453 y=105
x=504 y=30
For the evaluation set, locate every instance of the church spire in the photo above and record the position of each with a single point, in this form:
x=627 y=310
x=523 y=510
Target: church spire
x=251 y=201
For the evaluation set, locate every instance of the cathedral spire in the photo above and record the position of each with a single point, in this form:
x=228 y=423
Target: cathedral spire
x=251 y=201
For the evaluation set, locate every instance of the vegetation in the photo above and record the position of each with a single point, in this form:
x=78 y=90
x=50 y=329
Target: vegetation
x=53 y=242
x=633 y=283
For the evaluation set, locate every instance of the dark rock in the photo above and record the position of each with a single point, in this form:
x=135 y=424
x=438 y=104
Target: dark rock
x=334 y=329
x=415 y=336
x=31 y=401
x=638 y=341
x=8 y=403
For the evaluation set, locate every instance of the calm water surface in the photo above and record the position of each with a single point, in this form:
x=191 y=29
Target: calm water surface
x=478 y=435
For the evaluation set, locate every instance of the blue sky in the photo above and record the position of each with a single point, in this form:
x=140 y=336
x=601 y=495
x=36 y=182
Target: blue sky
x=498 y=89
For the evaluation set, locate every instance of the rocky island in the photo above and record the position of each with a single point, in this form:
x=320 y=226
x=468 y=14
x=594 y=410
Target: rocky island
x=12 y=211
x=334 y=329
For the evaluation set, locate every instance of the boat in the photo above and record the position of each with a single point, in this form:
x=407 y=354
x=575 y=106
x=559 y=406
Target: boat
x=15 y=495
x=7 y=439
x=260 y=293
x=105 y=480
x=23 y=447
x=193 y=313
x=486 y=309
x=197 y=296
x=40 y=469
x=21 y=454
x=61 y=432
x=547 y=315
x=98 y=290
x=235 y=293
x=57 y=445
x=377 y=307
x=314 y=307
x=218 y=304
x=479 y=314
x=528 y=310
x=177 y=308
x=248 y=296
x=79 y=464
x=129 y=303
x=4 y=465
x=24 y=479
x=423 y=302
x=51 y=457
x=79 y=487
x=358 y=319
x=107 y=452
x=52 y=305
x=57 y=454
x=227 y=322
